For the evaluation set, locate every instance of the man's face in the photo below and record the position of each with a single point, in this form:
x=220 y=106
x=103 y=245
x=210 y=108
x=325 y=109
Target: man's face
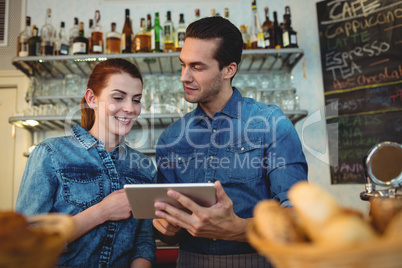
x=200 y=74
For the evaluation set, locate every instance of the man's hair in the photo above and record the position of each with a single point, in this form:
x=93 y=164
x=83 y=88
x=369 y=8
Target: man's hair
x=230 y=41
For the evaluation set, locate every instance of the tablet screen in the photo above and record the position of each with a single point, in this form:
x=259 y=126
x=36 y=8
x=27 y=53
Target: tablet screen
x=143 y=196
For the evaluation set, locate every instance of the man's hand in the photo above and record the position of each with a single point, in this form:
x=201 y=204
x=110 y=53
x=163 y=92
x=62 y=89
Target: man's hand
x=216 y=222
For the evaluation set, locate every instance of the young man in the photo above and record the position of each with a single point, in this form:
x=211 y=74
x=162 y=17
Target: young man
x=250 y=150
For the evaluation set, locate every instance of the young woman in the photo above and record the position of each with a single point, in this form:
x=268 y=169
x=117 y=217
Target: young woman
x=83 y=174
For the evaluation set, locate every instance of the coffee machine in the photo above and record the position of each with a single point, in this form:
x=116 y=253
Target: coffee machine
x=383 y=170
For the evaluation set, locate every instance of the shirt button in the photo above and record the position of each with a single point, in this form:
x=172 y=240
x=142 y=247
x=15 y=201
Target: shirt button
x=242 y=148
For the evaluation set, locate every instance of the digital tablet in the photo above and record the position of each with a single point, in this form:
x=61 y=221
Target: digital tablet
x=142 y=197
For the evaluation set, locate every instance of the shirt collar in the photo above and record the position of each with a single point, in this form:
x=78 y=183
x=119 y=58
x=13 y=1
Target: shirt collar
x=88 y=141
x=231 y=108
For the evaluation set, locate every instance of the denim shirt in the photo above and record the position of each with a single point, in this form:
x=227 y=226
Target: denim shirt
x=253 y=149
x=72 y=173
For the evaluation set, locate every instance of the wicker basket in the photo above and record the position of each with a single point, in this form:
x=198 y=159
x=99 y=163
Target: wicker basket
x=385 y=254
x=44 y=244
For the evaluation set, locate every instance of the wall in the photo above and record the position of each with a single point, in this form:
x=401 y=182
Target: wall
x=14 y=23
x=309 y=87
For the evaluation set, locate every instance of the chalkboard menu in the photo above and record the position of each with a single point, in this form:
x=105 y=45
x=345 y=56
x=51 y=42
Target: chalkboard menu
x=361 y=56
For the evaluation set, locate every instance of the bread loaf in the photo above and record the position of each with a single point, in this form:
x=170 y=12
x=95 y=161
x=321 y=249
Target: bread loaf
x=275 y=223
x=314 y=206
x=344 y=230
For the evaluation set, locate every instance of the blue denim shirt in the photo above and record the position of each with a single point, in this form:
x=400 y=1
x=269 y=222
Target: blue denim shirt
x=72 y=173
x=253 y=149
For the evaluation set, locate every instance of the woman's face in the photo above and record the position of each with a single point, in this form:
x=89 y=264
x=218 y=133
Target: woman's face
x=117 y=107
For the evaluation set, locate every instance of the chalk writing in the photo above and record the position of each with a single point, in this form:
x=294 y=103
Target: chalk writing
x=352 y=27
x=343 y=64
x=361 y=44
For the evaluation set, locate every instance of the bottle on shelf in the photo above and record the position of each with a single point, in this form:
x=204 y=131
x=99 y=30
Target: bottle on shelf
x=88 y=33
x=168 y=33
x=268 y=30
x=73 y=33
x=113 y=45
x=80 y=43
x=142 y=40
x=127 y=34
x=61 y=46
x=23 y=37
x=197 y=14
x=157 y=35
x=277 y=32
x=256 y=34
x=34 y=42
x=149 y=24
x=226 y=13
x=289 y=36
x=97 y=36
x=213 y=13
x=48 y=34
x=245 y=36
x=180 y=33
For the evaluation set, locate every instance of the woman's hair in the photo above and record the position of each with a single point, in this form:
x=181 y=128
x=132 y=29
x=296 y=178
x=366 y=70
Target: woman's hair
x=98 y=81
x=230 y=46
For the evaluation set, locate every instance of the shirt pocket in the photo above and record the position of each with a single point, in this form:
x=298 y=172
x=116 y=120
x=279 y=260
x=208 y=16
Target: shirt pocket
x=183 y=164
x=82 y=188
x=246 y=160
x=136 y=178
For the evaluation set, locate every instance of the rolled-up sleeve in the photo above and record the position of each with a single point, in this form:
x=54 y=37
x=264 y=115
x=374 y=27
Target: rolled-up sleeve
x=144 y=244
x=285 y=160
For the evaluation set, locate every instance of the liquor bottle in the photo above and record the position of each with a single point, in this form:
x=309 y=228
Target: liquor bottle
x=213 y=13
x=268 y=30
x=88 y=33
x=226 y=13
x=197 y=14
x=168 y=34
x=149 y=24
x=256 y=34
x=180 y=33
x=277 y=32
x=73 y=33
x=61 y=46
x=80 y=43
x=34 y=43
x=127 y=35
x=22 y=43
x=113 y=45
x=157 y=35
x=48 y=34
x=97 y=36
x=289 y=36
x=142 y=40
x=245 y=36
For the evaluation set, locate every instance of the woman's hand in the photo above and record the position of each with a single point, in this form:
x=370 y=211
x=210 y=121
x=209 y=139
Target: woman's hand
x=115 y=206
